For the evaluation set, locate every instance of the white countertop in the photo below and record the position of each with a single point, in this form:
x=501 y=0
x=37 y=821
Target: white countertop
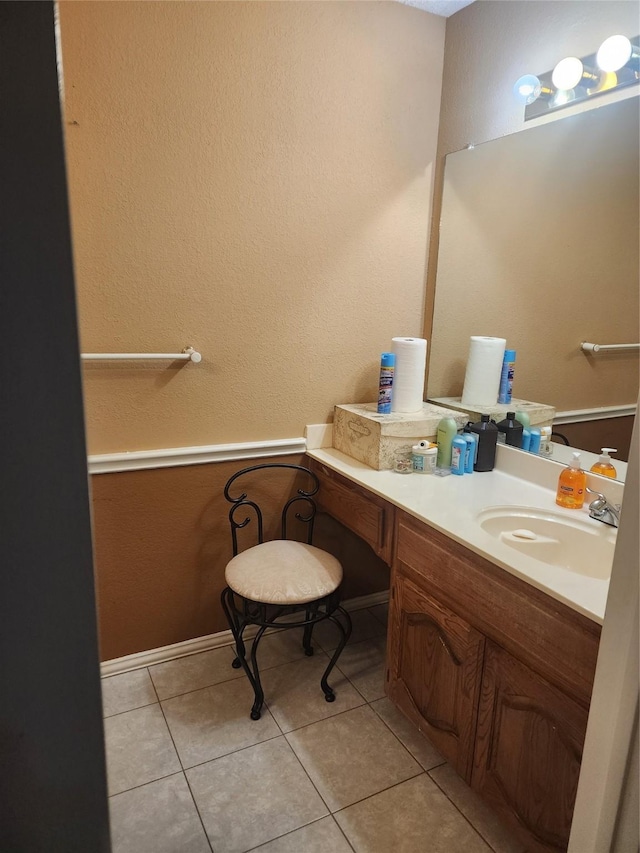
x=451 y=504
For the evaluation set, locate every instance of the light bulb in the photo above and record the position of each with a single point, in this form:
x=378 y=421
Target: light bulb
x=614 y=53
x=561 y=98
x=527 y=88
x=567 y=73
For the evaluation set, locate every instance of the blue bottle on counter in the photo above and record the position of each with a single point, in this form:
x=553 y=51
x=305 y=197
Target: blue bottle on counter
x=534 y=443
x=526 y=439
x=472 y=451
x=506 y=376
x=458 y=455
x=385 y=389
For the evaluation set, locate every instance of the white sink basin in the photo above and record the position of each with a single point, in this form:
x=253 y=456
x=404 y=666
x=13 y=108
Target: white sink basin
x=576 y=545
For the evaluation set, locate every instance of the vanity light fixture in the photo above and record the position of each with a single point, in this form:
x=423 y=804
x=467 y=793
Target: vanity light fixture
x=574 y=79
x=616 y=52
x=528 y=89
x=570 y=72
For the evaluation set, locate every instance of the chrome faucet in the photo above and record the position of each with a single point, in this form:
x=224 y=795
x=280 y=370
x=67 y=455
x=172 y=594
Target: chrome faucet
x=602 y=510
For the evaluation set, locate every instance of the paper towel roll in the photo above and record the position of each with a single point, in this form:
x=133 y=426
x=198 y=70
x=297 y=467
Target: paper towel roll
x=482 y=379
x=408 y=382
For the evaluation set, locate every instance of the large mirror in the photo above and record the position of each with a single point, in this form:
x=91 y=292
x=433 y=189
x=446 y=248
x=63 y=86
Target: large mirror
x=539 y=245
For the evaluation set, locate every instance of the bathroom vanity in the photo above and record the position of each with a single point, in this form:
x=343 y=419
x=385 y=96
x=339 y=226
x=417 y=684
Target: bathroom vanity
x=491 y=653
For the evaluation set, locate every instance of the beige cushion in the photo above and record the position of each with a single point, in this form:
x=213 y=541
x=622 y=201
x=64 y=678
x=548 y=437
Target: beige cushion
x=283 y=572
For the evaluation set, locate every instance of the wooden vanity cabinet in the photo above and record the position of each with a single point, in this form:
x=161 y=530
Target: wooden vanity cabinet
x=528 y=751
x=434 y=674
x=366 y=514
x=497 y=674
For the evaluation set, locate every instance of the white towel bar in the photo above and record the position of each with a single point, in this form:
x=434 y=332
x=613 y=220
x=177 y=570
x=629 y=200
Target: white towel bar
x=187 y=354
x=587 y=347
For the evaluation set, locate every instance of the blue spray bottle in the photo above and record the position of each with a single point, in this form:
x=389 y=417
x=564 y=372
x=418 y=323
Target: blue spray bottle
x=385 y=389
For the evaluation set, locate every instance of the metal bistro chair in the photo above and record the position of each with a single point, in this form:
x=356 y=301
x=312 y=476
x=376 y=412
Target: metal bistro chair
x=272 y=580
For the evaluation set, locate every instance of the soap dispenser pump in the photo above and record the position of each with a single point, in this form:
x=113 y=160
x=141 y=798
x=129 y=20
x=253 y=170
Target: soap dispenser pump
x=572 y=485
x=603 y=465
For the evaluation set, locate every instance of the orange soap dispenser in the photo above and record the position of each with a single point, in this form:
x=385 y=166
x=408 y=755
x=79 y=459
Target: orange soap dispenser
x=603 y=465
x=572 y=485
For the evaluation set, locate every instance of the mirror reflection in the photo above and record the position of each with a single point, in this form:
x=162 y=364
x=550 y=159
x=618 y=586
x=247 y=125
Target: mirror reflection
x=539 y=245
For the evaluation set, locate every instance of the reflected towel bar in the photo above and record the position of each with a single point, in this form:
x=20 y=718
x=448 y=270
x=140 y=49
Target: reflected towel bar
x=187 y=354
x=586 y=347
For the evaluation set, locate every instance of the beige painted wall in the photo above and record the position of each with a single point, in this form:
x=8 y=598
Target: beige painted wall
x=255 y=180
x=501 y=41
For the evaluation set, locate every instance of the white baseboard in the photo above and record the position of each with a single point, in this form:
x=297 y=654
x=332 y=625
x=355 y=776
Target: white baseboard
x=139 y=660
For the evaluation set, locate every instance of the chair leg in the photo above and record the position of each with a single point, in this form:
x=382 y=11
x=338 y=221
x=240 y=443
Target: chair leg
x=308 y=630
x=329 y=695
x=252 y=672
x=255 y=681
x=226 y=600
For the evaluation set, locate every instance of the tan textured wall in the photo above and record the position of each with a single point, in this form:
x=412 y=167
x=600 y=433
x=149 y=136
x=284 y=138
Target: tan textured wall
x=162 y=541
x=501 y=41
x=253 y=179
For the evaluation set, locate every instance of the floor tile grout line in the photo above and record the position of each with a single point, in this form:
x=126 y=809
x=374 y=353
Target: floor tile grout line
x=266 y=705
x=233 y=752
x=419 y=773
x=344 y=834
x=306 y=773
x=304 y=826
x=382 y=791
x=459 y=810
x=325 y=719
x=195 y=803
x=137 y=708
x=380 y=717
x=355 y=687
x=144 y=784
x=193 y=799
x=386 y=621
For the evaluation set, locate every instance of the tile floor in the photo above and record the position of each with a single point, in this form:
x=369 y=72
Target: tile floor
x=190 y=772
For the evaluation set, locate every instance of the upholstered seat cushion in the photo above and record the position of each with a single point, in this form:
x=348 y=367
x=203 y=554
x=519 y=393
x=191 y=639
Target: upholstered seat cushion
x=283 y=572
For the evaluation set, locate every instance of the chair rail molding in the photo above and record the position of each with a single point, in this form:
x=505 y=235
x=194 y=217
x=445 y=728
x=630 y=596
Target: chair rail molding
x=172 y=457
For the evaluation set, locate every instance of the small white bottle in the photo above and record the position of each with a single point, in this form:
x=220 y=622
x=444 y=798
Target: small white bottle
x=424 y=455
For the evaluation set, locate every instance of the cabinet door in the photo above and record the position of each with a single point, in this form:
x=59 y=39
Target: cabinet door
x=528 y=751
x=435 y=661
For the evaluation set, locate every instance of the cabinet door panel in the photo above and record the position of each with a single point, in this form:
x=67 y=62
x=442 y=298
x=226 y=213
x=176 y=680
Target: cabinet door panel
x=434 y=672
x=528 y=751
x=367 y=515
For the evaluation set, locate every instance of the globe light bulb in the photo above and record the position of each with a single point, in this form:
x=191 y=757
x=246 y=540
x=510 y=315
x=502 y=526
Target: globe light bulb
x=561 y=98
x=527 y=88
x=567 y=73
x=614 y=53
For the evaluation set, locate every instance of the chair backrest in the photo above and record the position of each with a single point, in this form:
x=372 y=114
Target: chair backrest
x=242 y=503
